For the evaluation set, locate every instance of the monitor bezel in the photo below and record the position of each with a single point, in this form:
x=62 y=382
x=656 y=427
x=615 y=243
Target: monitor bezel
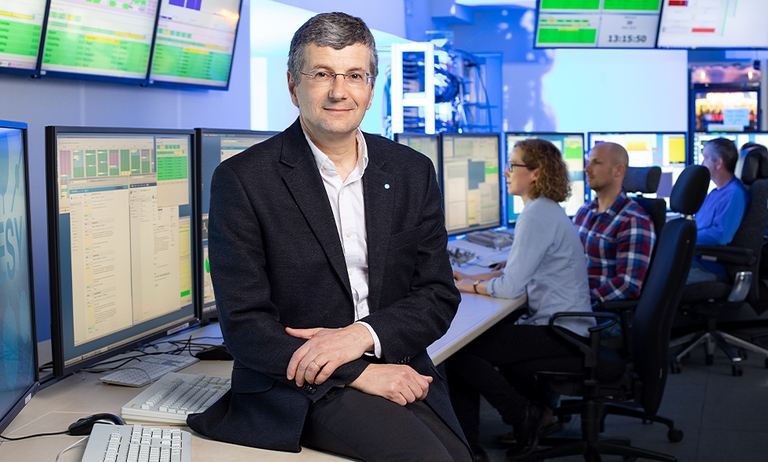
x=191 y=86
x=205 y=315
x=52 y=190
x=537 y=13
x=500 y=222
x=23 y=398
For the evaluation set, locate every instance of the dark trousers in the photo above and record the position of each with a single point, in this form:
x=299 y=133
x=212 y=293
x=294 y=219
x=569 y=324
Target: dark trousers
x=472 y=372
x=365 y=427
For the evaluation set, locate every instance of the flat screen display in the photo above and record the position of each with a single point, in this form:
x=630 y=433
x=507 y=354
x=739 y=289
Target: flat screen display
x=713 y=24
x=122 y=246
x=100 y=39
x=471 y=181
x=195 y=43
x=597 y=23
x=664 y=149
x=216 y=146
x=18 y=345
x=571 y=145
x=21 y=28
x=429 y=145
x=700 y=138
x=733 y=111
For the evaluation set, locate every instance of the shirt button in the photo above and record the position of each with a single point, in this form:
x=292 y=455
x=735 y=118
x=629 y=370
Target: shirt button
x=349 y=234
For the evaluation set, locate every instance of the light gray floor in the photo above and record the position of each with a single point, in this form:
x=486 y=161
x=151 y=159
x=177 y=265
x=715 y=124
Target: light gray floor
x=724 y=418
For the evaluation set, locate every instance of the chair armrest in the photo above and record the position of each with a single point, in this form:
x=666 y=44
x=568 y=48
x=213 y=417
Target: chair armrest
x=626 y=310
x=726 y=254
x=592 y=351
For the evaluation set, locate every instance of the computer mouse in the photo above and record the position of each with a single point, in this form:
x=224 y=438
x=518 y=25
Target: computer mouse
x=85 y=425
x=215 y=353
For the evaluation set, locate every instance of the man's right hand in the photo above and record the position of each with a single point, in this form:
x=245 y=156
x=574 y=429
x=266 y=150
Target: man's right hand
x=398 y=383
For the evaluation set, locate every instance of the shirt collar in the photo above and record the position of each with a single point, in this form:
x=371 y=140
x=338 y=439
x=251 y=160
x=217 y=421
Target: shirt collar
x=322 y=160
x=617 y=205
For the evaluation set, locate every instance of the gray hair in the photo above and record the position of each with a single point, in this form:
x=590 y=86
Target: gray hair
x=336 y=30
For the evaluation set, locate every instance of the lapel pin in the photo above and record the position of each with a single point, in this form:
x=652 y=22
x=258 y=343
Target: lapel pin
x=386 y=185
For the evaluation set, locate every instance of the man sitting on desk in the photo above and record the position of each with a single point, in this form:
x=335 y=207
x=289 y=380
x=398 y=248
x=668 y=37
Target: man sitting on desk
x=722 y=211
x=328 y=257
x=617 y=234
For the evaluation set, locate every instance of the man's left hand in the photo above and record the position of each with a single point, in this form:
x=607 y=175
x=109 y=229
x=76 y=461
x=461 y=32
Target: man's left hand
x=325 y=350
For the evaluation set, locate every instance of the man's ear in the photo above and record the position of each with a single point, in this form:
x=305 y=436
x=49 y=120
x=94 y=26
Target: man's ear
x=292 y=89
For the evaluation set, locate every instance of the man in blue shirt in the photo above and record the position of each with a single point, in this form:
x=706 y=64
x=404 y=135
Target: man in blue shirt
x=723 y=209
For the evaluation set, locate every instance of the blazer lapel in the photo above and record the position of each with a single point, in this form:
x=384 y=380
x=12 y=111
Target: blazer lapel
x=379 y=192
x=305 y=185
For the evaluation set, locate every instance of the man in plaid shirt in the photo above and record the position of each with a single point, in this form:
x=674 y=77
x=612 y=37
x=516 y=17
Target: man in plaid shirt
x=617 y=234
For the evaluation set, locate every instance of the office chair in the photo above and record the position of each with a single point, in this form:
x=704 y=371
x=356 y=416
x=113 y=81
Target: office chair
x=741 y=259
x=609 y=382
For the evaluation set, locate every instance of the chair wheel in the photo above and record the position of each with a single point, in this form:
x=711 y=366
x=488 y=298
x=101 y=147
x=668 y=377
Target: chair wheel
x=675 y=435
x=675 y=367
x=737 y=370
x=710 y=359
x=743 y=354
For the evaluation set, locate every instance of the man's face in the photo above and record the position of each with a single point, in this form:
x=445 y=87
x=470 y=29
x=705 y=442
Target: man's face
x=336 y=108
x=601 y=170
x=710 y=160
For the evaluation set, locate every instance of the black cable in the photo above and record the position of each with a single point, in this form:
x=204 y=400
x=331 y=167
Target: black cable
x=33 y=436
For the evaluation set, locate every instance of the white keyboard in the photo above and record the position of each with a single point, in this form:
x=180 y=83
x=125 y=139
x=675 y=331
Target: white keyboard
x=173 y=397
x=147 y=369
x=136 y=443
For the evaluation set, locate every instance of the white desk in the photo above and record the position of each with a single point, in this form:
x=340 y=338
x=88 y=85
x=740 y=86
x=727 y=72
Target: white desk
x=55 y=407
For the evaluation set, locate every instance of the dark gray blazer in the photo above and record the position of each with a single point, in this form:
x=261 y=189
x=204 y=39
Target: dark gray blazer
x=276 y=261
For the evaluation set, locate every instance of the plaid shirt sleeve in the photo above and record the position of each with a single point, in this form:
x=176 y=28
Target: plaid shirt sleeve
x=634 y=243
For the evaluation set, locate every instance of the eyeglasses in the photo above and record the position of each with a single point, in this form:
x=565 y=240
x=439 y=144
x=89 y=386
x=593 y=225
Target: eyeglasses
x=511 y=166
x=353 y=79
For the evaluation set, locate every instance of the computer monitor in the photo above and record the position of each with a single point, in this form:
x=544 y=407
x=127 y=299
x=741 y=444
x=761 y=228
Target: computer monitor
x=713 y=24
x=471 y=171
x=21 y=26
x=100 y=40
x=665 y=149
x=18 y=344
x=429 y=145
x=721 y=110
x=215 y=146
x=195 y=43
x=122 y=239
x=596 y=24
x=571 y=145
x=701 y=138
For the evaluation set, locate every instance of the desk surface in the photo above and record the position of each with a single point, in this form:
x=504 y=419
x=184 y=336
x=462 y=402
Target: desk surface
x=55 y=407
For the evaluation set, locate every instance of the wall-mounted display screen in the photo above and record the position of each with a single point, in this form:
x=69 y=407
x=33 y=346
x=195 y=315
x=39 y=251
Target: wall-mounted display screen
x=571 y=145
x=471 y=175
x=99 y=39
x=122 y=239
x=21 y=28
x=195 y=43
x=597 y=23
x=713 y=24
x=734 y=111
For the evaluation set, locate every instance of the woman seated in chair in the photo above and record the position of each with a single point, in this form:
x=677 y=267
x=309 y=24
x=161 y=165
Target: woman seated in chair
x=547 y=263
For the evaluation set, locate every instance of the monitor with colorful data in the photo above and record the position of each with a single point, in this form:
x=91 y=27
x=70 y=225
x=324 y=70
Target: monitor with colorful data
x=21 y=28
x=571 y=145
x=18 y=345
x=597 y=23
x=713 y=24
x=429 y=145
x=719 y=110
x=471 y=171
x=195 y=43
x=667 y=150
x=99 y=39
x=122 y=239
x=213 y=147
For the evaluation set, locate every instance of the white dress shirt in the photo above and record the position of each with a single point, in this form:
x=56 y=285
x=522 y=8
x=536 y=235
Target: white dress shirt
x=348 y=206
